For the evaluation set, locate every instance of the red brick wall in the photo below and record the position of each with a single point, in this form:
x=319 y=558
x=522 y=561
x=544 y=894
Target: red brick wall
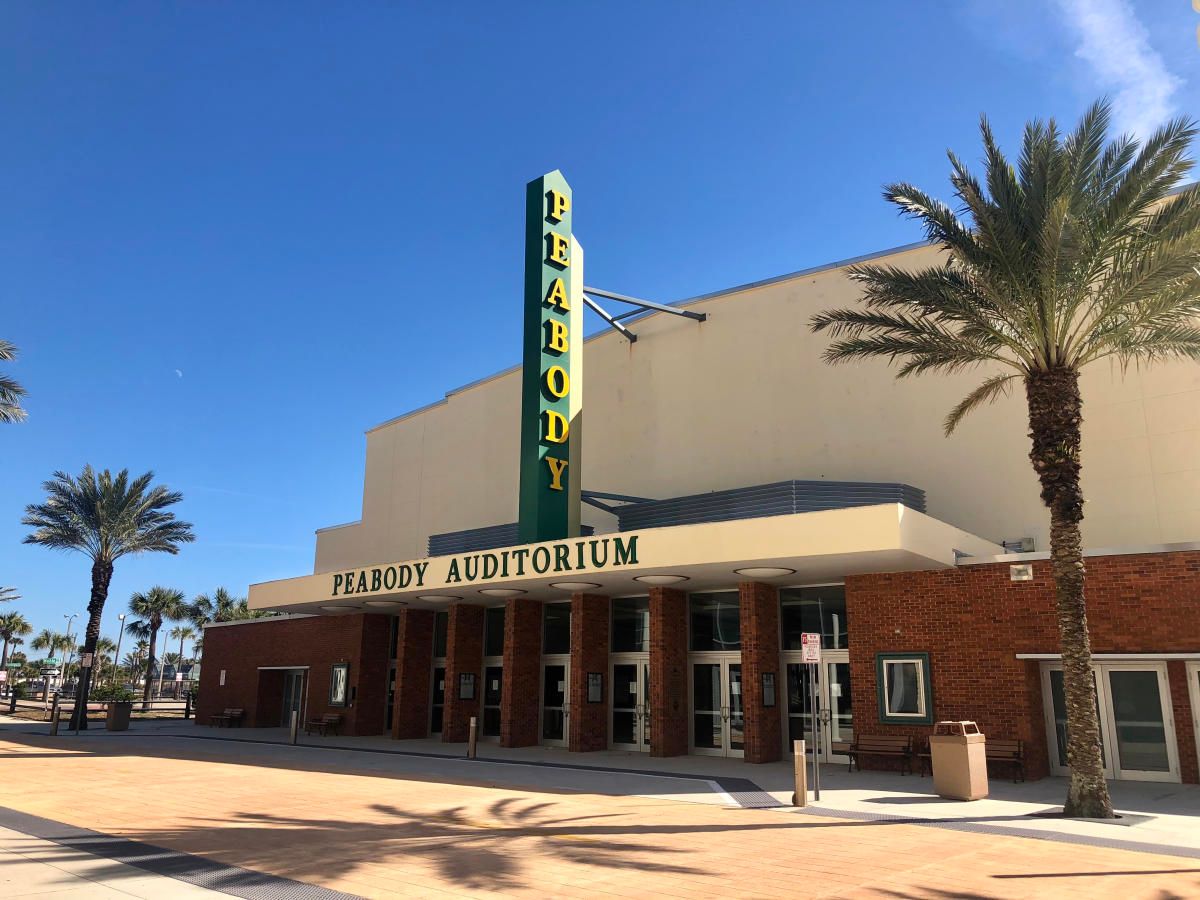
x=520 y=698
x=589 y=653
x=464 y=653
x=759 y=607
x=414 y=669
x=668 y=672
x=973 y=620
x=318 y=642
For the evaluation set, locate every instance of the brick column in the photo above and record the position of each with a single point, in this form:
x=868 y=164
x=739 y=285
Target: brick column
x=520 y=699
x=669 y=707
x=589 y=653
x=414 y=668
x=760 y=653
x=464 y=653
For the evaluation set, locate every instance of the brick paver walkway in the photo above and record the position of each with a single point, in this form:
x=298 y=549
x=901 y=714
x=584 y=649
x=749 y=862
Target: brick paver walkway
x=309 y=815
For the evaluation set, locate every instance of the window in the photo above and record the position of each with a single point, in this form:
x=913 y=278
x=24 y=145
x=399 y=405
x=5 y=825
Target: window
x=493 y=631
x=905 y=694
x=631 y=625
x=394 y=637
x=441 y=624
x=715 y=621
x=814 y=609
x=556 y=628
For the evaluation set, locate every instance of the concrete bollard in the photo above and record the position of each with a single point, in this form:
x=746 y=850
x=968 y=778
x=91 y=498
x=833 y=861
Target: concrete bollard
x=295 y=725
x=471 y=740
x=800 y=766
x=54 y=716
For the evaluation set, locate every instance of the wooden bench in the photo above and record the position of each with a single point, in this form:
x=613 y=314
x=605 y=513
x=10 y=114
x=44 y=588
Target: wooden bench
x=229 y=717
x=881 y=745
x=323 y=725
x=1007 y=751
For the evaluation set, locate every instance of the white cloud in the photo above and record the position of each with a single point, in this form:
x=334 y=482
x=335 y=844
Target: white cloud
x=1117 y=47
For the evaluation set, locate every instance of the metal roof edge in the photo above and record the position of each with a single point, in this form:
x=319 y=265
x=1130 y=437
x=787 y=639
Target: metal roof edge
x=1041 y=555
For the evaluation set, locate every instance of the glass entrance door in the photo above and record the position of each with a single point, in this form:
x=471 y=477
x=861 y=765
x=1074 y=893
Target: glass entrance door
x=718 y=722
x=556 y=708
x=493 y=680
x=1137 y=733
x=834 y=705
x=630 y=706
x=438 y=705
x=293 y=696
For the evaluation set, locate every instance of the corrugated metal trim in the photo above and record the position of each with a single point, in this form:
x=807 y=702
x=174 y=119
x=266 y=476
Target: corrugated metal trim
x=780 y=498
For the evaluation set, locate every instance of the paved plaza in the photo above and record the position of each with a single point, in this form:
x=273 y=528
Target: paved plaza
x=170 y=811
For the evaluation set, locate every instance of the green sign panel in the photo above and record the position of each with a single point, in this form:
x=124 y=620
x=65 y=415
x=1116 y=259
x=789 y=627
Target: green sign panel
x=552 y=376
x=51 y=660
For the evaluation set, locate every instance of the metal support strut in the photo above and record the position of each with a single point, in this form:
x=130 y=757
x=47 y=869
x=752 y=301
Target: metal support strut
x=589 y=293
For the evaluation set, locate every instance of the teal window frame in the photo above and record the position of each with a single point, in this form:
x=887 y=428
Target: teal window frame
x=925 y=681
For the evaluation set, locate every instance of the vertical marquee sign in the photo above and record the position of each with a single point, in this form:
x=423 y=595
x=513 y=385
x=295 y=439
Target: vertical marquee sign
x=552 y=373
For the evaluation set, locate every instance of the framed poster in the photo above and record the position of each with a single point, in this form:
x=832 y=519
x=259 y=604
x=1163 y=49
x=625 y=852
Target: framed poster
x=768 y=680
x=339 y=681
x=466 y=686
x=595 y=687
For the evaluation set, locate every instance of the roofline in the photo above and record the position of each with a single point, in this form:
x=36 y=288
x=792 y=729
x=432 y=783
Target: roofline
x=1042 y=555
x=342 y=525
x=679 y=304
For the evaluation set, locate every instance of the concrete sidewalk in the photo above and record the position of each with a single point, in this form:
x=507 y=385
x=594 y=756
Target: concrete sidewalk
x=32 y=867
x=1157 y=817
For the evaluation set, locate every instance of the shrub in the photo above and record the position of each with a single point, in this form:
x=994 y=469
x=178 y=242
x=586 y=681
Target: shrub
x=112 y=692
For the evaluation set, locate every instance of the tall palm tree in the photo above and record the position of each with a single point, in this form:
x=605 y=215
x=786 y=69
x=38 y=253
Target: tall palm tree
x=13 y=626
x=10 y=392
x=152 y=608
x=222 y=606
x=183 y=633
x=1081 y=253
x=7 y=594
x=105 y=648
x=105 y=517
x=50 y=641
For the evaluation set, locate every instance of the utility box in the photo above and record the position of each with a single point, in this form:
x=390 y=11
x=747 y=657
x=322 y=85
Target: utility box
x=959 y=761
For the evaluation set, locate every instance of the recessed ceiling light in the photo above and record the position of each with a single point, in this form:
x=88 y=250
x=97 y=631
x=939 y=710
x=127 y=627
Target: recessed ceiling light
x=386 y=603
x=501 y=592
x=764 y=572
x=437 y=597
x=660 y=579
x=338 y=607
x=574 y=585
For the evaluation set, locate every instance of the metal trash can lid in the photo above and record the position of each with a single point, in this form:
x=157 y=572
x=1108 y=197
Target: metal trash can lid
x=963 y=727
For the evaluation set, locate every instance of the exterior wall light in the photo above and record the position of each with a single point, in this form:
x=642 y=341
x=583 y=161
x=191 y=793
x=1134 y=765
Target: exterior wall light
x=386 y=604
x=574 y=585
x=436 y=597
x=501 y=592
x=338 y=607
x=764 y=572
x=660 y=579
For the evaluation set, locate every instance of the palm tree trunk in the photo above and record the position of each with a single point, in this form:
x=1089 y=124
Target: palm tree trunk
x=1055 y=419
x=149 y=665
x=101 y=579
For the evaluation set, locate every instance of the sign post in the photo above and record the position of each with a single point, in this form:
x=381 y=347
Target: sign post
x=552 y=365
x=810 y=655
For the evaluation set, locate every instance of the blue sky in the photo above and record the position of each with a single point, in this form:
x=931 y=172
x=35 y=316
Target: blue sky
x=235 y=236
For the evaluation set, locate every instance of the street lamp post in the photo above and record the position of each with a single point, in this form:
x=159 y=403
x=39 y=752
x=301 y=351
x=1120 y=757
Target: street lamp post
x=62 y=680
x=117 y=658
x=161 y=654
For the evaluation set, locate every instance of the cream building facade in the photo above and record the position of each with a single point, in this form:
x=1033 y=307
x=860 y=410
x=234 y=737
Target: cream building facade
x=745 y=398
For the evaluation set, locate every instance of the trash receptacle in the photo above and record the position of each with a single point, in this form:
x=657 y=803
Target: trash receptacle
x=959 y=763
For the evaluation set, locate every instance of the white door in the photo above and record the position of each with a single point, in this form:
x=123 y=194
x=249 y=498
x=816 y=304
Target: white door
x=718 y=720
x=834 y=704
x=630 y=724
x=1137 y=728
x=556 y=702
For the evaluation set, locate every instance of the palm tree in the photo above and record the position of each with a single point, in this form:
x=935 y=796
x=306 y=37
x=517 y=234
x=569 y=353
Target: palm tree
x=105 y=517
x=183 y=633
x=50 y=641
x=152 y=608
x=13 y=626
x=1081 y=253
x=223 y=606
x=10 y=392
x=8 y=593
x=105 y=648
